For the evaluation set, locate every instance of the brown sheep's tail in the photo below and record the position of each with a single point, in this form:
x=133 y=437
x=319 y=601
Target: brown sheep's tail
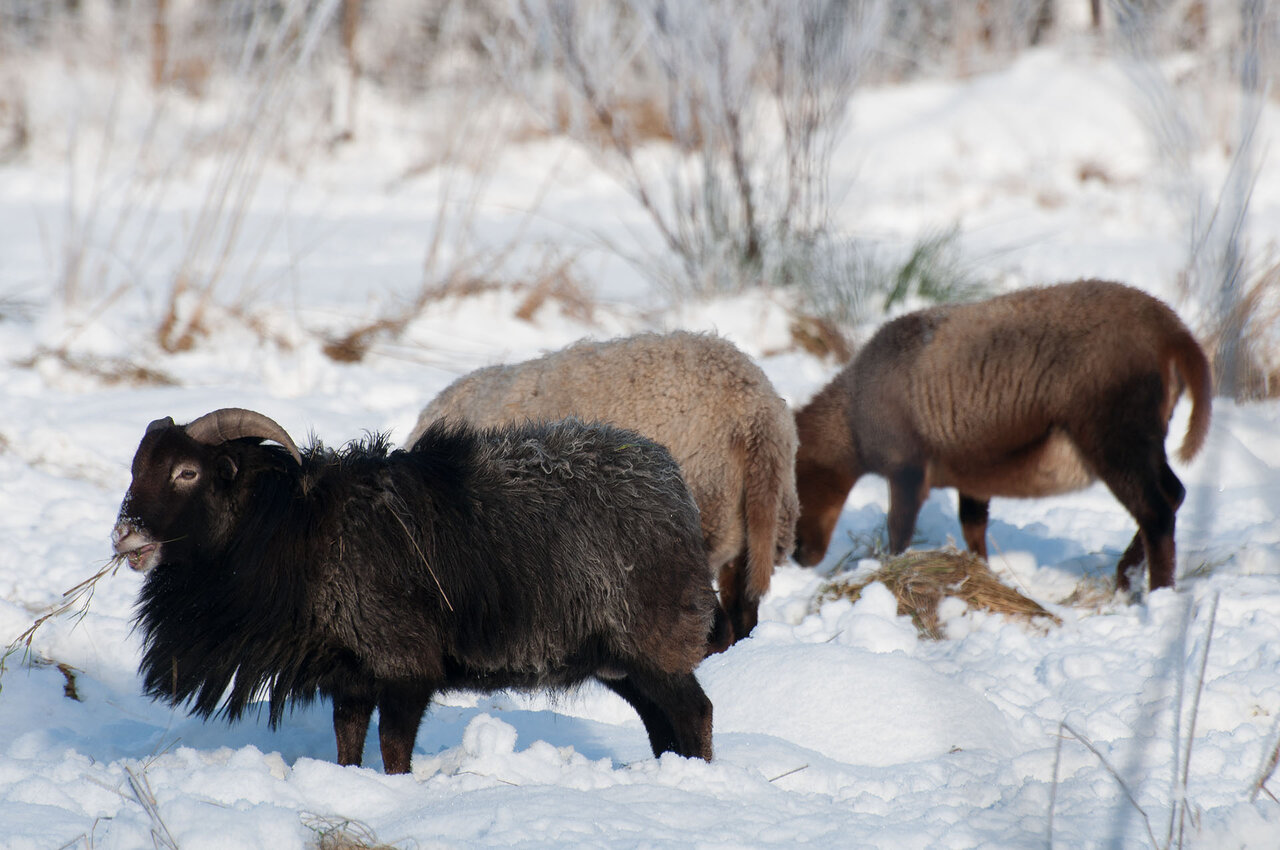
x=1193 y=366
x=770 y=502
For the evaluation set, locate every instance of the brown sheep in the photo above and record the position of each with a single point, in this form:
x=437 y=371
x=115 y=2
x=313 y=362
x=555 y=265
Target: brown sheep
x=1033 y=393
x=698 y=395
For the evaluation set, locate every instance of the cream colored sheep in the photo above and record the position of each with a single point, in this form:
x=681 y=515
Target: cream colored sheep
x=698 y=395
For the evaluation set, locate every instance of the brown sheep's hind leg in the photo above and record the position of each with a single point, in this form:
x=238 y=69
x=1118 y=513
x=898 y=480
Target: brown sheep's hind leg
x=907 y=490
x=1125 y=445
x=974 y=514
x=1150 y=541
x=1161 y=552
x=736 y=599
x=721 y=636
x=1133 y=555
x=1151 y=493
x=400 y=712
x=674 y=709
x=1174 y=493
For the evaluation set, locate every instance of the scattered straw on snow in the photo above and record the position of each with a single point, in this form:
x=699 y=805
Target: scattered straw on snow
x=921 y=580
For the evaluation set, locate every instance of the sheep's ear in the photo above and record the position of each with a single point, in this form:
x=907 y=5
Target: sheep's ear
x=227 y=467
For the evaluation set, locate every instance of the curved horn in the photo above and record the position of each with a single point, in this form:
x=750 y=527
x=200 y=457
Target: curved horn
x=230 y=423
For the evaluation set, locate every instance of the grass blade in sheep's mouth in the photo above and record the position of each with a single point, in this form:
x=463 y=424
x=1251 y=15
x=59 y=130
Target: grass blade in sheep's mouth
x=137 y=557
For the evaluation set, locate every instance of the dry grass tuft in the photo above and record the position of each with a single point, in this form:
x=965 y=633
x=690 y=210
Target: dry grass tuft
x=921 y=580
x=110 y=371
x=555 y=283
x=1093 y=592
x=628 y=120
x=1091 y=169
x=558 y=284
x=342 y=834
x=821 y=337
x=355 y=345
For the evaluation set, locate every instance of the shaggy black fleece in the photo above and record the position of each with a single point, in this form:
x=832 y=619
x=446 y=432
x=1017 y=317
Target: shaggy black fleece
x=530 y=556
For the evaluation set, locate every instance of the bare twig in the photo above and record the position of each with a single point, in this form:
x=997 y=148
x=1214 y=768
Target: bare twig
x=1181 y=802
x=466 y=264
x=730 y=203
x=489 y=776
x=1053 y=787
x=793 y=770
x=1066 y=727
x=218 y=227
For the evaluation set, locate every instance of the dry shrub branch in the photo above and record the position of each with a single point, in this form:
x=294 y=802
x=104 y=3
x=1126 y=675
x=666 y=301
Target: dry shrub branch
x=751 y=97
x=249 y=137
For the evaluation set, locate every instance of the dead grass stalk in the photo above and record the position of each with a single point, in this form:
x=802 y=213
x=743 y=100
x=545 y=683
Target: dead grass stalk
x=141 y=788
x=1267 y=770
x=75 y=599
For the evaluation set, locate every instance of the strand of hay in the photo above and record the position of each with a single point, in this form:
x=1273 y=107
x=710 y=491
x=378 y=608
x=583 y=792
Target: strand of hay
x=921 y=580
x=76 y=599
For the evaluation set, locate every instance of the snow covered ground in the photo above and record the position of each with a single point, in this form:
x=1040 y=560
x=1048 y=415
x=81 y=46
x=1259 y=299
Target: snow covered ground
x=833 y=727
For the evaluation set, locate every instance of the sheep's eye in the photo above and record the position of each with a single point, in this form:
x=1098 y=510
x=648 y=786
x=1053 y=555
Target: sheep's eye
x=185 y=473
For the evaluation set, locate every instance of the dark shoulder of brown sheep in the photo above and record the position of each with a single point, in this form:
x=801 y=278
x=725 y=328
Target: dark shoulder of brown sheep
x=1034 y=393
x=696 y=394
x=531 y=556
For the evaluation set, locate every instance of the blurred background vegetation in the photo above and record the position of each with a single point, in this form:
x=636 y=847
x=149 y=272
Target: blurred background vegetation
x=717 y=117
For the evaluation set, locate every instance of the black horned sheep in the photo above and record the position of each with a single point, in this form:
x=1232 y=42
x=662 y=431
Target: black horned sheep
x=531 y=556
x=1033 y=393
x=696 y=394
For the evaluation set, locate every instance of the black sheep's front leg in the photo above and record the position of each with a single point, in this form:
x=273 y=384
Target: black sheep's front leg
x=400 y=710
x=673 y=707
x=351 y=713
